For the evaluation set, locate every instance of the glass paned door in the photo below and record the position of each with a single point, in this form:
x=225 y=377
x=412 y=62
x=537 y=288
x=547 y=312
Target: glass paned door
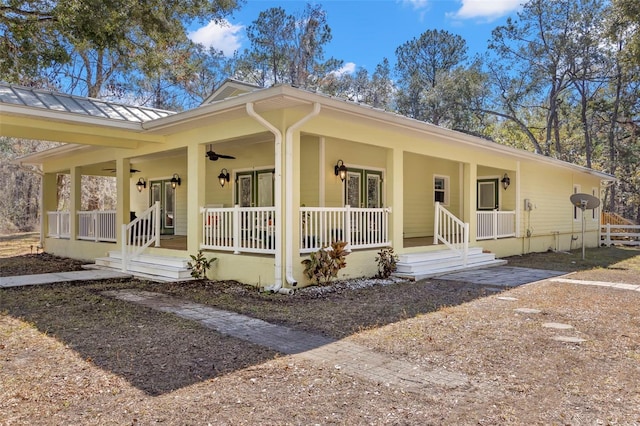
x=245 y=190
x=162 y=191
x=265 y=189
x=353 y=196
x=374 y=189
x=487 y=194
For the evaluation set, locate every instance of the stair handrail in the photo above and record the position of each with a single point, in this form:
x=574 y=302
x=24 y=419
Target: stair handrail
x=140 y=233
x=451 y=231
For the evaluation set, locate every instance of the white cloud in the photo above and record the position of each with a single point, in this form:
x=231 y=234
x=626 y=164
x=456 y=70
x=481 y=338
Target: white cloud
x=348 y=68
x=416 y=4
x=486 y=9
x=222 y=36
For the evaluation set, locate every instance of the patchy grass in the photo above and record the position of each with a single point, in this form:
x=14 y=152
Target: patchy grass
x=73 y=356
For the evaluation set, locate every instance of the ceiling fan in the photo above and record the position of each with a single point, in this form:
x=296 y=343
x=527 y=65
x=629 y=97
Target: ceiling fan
x=114 y=170
x=213 y=156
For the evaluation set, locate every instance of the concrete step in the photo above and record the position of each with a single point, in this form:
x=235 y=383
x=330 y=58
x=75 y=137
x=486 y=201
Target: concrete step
x=443 y=263
x=433 y=263
x=159 y=268
x=416 y=276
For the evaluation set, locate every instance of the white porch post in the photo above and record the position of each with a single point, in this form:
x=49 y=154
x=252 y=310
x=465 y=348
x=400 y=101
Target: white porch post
x=75 y=202
x=49 y=201
x=196 y=184
x=123 y=186
x=395 y=195
x=470 y=199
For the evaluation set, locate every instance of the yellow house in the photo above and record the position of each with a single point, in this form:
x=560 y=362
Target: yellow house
x=259 y=178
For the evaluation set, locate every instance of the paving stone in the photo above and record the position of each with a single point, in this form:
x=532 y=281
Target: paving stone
x=507 y=298
x=527 y=310
x=568 y=339
x=557 y=326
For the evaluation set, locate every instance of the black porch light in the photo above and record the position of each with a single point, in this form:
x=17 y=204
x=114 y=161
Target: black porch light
x=223 y=177
x=505 y=181
x=141 y=184
x=340 y=170
x=175 y=180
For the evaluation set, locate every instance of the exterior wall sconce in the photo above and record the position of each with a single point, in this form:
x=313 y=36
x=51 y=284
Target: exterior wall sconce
x=175 y=180
x=505 y=181
x=141 y=184
x=340 y=170
x=223 y=177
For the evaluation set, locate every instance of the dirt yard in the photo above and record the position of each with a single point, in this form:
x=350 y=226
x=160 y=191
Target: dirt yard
x=69 y=355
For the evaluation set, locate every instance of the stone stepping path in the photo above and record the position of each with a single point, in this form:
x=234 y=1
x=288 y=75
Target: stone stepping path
x=350 y=358
x=557 y=326
x=527 y=311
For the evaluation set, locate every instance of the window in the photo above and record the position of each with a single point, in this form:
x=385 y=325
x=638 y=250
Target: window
x=441 y=189
x=487 y=194
x=576 y=215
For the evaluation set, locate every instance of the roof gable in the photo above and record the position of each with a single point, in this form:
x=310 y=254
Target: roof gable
x=229 y=89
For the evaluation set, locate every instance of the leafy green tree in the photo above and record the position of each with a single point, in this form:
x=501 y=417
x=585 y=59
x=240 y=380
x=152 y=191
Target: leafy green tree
x=422 y=64
x=287 y=49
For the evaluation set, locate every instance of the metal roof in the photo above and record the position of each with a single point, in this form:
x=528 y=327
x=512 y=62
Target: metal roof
x=37 y=98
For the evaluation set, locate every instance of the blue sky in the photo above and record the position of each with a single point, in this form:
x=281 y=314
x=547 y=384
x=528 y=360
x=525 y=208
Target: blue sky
x=366 y=31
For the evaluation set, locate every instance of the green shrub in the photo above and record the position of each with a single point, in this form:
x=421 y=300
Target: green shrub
x=386 y=260
x=324 y=264
x=199 y=265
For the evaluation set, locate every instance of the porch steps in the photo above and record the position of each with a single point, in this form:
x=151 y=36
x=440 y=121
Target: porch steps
x=150 y=267
x=417 y=266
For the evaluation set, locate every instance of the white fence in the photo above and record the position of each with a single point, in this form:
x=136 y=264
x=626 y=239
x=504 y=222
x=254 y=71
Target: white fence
x=451 y=231
x=97 y=225
x=239 y=229
x=59 y=224
x=358 y=227
x=495 y=224
x=627 y=235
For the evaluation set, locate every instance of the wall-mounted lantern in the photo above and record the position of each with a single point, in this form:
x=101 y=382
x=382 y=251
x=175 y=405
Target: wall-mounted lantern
x=141 y=184
x=175 y=181
x=340 y=170
x=223 y=177
x=505 y=181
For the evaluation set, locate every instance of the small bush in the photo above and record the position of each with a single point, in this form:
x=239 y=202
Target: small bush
x=199 y=265
x=324 y=264
x=386 y=260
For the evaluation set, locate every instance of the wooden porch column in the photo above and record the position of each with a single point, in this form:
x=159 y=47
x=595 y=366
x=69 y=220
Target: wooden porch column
x=394 y=182
x=75 y=201
x=196 y=185
x=123 y=185
x=470 y=199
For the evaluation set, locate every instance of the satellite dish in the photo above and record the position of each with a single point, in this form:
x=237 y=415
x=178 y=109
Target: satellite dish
x=584 y=202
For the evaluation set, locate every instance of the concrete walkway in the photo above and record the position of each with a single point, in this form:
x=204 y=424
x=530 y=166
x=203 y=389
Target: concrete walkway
x=58 y=277
x=502 y=276
x=350 y=358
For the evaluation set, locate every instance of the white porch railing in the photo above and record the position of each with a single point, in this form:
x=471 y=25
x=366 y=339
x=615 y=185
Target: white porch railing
x=97 y=225
x=239 y=229
x=626 y=235
x=140 y=234
x=358 y=227
x=59 y=224
x=451 y=231
x=495 y=224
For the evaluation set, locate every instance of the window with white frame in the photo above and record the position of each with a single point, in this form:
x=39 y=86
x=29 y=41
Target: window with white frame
x=441 y=189
x=576 y=215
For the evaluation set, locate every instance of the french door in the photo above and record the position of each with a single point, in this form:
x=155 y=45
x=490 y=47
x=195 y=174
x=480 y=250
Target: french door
x=255 y=188
x=487 y=194
x=162 y=191
x=363 y=189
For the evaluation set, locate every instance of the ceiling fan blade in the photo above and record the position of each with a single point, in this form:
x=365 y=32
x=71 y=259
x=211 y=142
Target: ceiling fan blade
x=226 y=156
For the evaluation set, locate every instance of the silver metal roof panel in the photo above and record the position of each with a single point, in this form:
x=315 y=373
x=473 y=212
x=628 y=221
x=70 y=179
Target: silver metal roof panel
x=36 y=98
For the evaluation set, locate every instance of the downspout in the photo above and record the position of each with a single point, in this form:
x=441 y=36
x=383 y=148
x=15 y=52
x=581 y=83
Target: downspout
x=277 y=285
x=288 y=150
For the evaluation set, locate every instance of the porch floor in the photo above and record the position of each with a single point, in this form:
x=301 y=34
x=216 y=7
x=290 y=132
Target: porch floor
x=179 y=242
x=173 y=242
